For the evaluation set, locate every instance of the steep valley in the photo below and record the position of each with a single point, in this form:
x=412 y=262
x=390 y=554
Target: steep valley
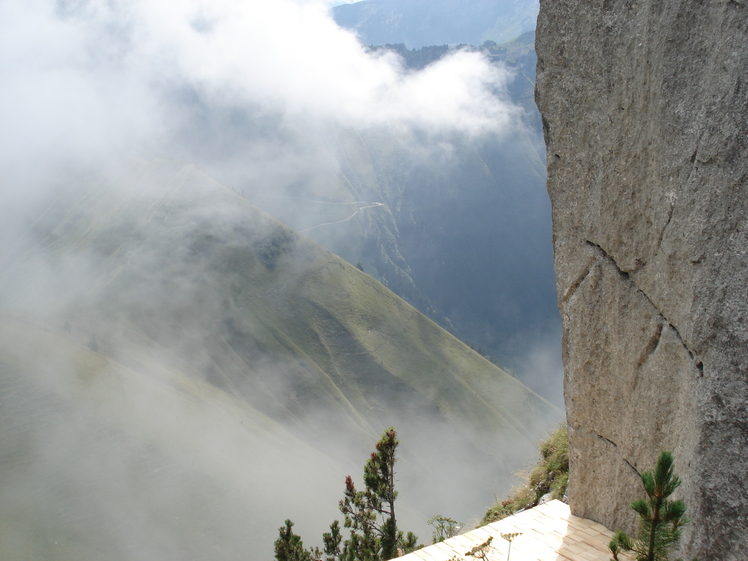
x=236 y=244
x=457 y=225
x=181 y=372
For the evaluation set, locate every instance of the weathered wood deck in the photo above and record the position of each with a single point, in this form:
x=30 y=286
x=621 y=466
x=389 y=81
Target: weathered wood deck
x=548 y=532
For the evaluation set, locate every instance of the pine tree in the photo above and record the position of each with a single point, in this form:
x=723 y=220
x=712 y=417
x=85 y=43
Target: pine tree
x=289 y=547
x=331 y=542
x=660 y=519
x=370 y=514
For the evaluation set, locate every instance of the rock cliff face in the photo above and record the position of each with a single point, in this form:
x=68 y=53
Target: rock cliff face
x=645 y=110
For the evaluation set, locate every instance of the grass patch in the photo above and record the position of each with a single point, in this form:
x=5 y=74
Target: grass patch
x=550 y=475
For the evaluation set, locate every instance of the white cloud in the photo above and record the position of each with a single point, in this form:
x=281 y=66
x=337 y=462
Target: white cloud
x=91 y=77
x=291 y=54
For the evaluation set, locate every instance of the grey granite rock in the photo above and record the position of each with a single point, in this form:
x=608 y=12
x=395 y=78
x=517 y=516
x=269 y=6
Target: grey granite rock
x=645 y=110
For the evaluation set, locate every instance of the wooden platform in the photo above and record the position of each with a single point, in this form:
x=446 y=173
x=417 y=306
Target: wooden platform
x=548 y=532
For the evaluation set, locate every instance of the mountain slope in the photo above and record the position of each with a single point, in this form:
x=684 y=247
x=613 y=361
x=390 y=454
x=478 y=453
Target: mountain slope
x=161 y=261
x=419 y=23
x=461 y=230
x=102 y=461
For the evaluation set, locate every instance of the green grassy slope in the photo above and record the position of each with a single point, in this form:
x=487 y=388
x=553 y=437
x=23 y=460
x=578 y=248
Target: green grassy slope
x=161 y=265
x=99 y=461
x=459 y=225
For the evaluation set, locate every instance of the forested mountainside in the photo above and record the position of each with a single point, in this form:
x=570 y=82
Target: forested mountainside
x=420 y=23
x=457 y=225
x=180 y=372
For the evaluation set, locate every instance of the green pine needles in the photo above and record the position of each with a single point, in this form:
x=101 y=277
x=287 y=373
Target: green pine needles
x=368 y=514
x=660 y=519
x=289 y=546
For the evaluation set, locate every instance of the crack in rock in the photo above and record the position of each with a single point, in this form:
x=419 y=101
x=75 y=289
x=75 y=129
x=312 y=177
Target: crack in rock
x=639 y=263
x=636 y=471
x=651 y=347
x=662 y=234
x=605 y=255
x=578 y=281
x=609 y=441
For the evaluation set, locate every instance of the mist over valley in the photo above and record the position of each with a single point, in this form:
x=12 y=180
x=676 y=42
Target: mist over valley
x=189 y=352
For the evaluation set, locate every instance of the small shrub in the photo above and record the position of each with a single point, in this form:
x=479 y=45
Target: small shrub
x=550 y=475
x=660 y=519
x=444 y=528
x=270 y=248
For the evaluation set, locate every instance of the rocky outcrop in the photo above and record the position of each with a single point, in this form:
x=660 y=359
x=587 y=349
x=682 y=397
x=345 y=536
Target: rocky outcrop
x=645 y=110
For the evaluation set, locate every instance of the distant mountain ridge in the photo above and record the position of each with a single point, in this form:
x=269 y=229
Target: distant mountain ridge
x=420 y=23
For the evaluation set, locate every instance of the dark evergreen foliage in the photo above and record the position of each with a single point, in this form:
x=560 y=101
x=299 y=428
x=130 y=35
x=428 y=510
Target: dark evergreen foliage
x=368 y=514
x=332 y=541
x=660 y=519
x=289 y=547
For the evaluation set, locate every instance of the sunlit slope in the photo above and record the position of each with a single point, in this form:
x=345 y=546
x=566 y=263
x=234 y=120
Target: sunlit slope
x=458 y=224
x=161 y=257
x=463 y=235
x=99 y=461
x=461 y=229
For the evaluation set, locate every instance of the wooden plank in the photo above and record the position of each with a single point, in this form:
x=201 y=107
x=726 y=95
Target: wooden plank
x=463 y=541
x=549 y=532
